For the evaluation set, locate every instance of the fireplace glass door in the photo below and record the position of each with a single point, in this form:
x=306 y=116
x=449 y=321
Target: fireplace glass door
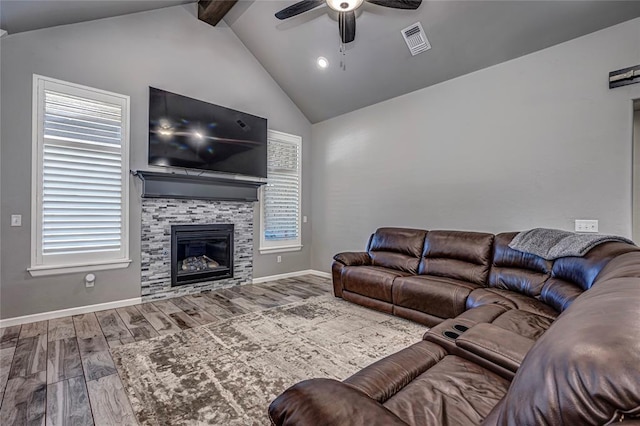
x=201 y=253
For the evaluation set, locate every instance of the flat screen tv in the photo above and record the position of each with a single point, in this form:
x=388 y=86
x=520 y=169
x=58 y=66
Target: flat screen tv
x=186 y=132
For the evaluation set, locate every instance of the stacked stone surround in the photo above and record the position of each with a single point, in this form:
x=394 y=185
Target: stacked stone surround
x=158 y=214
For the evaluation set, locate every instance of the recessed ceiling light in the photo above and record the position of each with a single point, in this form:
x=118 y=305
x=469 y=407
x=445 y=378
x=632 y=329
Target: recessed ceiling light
x=322 y=62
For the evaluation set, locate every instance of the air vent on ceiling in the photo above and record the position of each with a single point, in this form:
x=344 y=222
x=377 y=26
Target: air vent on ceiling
x=416 y=39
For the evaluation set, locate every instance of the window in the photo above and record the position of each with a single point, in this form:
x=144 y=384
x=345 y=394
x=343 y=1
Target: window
x=80 y=178
x=281 y=196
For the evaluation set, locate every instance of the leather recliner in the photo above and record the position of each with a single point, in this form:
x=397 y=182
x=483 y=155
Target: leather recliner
x=539 y=343
x=430 y=276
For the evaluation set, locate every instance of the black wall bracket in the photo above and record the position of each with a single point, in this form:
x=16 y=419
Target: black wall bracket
x=172 y=185
x=624 y=77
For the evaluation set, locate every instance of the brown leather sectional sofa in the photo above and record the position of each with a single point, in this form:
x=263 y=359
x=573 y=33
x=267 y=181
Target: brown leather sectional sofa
x=515 y=339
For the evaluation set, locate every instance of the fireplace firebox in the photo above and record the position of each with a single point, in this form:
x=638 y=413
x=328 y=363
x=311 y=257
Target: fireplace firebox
x=201 y=253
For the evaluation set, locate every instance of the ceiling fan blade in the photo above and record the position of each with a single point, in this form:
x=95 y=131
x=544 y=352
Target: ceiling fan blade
x=298 y=8
x=398 y=4
x=347 y=26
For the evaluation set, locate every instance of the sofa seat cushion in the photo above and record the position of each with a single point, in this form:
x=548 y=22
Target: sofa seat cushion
x=438 y=296
x=510 y=299
x=526 y=324
x=452 y=392
x=370 y=281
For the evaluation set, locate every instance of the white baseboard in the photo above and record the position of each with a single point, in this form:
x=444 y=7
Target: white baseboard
x=135 y=301
x=319 y=273
x=291 y=274
x=70 y=311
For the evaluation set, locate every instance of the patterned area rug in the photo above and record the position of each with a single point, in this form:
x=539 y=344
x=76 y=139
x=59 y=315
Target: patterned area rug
x=227 y=373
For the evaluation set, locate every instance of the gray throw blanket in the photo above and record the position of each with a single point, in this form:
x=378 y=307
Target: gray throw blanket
x=552 y=244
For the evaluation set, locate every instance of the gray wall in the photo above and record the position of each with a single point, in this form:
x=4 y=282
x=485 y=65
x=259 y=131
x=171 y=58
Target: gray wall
x=636 y=171
x=167 y=48
x=535 y=142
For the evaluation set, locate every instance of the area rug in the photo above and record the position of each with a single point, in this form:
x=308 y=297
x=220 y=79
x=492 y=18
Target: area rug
x=227 y=373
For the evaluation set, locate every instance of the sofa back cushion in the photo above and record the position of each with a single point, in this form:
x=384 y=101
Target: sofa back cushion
x=457 y=254
x=584 y=369
x=514 y=270
x=397 y=248
x=571 y=276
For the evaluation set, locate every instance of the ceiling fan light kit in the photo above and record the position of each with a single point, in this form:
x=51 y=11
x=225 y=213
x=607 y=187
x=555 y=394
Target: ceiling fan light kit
x=344 y=5
x=346 y=12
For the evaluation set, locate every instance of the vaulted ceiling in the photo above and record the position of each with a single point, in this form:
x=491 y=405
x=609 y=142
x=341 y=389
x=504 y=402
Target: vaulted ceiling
x=17 y=16
x=466 y=36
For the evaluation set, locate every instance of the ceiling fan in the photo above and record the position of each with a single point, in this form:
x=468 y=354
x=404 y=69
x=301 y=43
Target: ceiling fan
x=346 y=12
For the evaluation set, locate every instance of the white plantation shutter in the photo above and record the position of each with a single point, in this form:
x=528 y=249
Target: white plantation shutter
x=281 y=198
x=81 y=181
x=282 y=193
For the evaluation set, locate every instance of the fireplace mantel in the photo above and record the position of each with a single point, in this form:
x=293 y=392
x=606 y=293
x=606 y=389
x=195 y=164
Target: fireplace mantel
x=172 y=185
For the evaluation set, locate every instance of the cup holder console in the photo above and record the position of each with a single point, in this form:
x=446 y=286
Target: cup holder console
x=449 y=330
x=451 y=335
x=455 y=332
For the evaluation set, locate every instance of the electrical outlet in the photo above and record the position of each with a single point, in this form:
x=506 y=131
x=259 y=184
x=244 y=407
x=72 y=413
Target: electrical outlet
x=16 y=220
x=279 y=259
x=89 y=280
x=304 y=219
x=590 y=225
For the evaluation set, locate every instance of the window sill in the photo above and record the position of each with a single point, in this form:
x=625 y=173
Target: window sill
x=269 y=250
x=41 y=271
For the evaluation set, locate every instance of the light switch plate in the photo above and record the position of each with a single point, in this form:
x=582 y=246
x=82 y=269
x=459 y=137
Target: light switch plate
x=16 y=220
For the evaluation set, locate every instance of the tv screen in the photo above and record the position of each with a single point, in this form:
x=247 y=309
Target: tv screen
x=186 y=132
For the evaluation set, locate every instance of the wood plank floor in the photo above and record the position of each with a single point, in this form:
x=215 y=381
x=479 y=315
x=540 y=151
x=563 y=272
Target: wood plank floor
x=60 y=372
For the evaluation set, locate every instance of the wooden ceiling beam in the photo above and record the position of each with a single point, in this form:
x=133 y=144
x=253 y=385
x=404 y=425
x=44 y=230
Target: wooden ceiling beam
x=212 y=11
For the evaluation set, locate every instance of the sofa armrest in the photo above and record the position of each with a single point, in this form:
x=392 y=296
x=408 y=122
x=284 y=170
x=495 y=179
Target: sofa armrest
x=341 y=260
x=350 y=258
x=497 y=345
x=328 y=402
x=384 y=378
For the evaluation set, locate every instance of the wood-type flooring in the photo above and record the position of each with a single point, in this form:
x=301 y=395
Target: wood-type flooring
x=60 y=372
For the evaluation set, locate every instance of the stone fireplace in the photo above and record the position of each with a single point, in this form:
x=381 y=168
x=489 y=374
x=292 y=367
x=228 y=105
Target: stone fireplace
x=164 y=219
x=201 y=253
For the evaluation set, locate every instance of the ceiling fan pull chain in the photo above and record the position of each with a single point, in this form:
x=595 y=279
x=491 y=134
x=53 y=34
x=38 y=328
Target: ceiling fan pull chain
x=343 y=46
x=344 y=58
